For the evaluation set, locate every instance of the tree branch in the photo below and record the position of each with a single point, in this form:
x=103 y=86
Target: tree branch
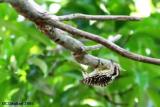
x=29 y=9
x=104 y=42
x=77 y=47
x=98 y=17
x=96 y=47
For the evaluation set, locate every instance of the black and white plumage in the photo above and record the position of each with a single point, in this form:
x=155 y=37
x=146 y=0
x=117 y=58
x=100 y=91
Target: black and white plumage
x=101 y=77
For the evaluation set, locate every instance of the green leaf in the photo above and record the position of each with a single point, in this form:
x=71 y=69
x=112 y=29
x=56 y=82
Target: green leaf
x=41 y=64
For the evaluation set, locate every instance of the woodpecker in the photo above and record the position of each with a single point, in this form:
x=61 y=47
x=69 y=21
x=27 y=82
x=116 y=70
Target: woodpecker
x=101 y=77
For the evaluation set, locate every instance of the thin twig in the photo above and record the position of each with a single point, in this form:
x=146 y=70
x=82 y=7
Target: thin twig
x=98 y=17
x=96 y=47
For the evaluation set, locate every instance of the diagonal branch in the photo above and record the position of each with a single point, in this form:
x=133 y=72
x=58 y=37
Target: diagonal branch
x=104 y=42
x=98 y=17
x=29 y=9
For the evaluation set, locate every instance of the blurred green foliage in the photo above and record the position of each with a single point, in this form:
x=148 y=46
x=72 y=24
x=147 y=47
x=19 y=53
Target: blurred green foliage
x=33 y=68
